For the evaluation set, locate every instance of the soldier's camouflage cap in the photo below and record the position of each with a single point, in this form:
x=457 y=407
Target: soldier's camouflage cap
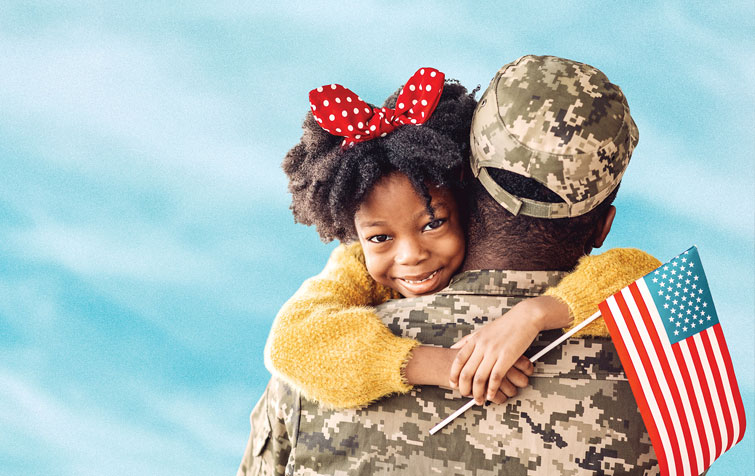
x=559 y=122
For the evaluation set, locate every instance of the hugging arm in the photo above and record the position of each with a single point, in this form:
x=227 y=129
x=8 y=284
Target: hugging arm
x=328 y=343
x=486 y=355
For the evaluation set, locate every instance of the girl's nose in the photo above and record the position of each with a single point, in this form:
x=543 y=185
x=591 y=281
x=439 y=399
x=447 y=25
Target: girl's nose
x=411 y=252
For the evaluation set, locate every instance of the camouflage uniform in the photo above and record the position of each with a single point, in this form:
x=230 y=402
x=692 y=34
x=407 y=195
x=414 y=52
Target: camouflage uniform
x=578 y=415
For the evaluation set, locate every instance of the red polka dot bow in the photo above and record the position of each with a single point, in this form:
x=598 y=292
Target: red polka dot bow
x=342 y=113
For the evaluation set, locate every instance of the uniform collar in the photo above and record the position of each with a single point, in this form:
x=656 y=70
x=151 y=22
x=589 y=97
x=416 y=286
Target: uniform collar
x=503 y=282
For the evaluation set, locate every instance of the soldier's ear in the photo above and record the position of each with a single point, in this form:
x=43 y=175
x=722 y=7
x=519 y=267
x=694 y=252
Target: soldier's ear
x=603 y=227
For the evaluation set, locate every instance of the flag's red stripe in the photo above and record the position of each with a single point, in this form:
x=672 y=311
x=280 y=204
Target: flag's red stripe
x=697 y=409
x=670 y=379
x=636 y=385
x=732 y=381
x=710 y=409
x=721 y=394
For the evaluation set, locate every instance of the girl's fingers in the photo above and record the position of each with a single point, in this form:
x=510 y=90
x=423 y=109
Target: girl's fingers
x=524 y=364
x=467 y=373
x=480 y=380
x=508 y=388
x=517 y=378
x=462 y=341
x=499 y=397
x=461 y=358
x=497 y=374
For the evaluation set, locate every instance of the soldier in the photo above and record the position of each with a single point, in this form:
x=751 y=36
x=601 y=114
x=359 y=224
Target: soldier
x=551 y=139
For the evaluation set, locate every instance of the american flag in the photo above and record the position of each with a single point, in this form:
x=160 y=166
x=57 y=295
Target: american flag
x=670 y=342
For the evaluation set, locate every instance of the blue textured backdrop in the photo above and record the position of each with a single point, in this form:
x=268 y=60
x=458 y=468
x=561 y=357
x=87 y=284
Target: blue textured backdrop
x=145 y=237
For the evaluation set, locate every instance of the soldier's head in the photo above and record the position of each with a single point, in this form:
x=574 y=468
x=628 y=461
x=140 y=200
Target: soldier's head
x=550 y=140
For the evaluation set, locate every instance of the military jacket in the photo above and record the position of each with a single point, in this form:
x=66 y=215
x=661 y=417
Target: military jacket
x=577 y=417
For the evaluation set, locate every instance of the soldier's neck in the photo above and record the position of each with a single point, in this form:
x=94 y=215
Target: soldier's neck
x=497 y=257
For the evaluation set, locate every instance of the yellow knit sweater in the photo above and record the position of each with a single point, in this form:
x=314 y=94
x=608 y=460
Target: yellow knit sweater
x=328 y=342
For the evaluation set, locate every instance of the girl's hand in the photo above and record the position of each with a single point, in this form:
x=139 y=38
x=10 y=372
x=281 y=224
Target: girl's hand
x=483 y=366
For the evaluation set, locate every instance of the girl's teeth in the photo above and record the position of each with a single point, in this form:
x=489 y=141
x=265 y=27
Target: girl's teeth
x=422 y=280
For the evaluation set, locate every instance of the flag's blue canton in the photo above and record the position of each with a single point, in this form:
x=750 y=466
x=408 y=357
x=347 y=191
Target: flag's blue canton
x=681 y=294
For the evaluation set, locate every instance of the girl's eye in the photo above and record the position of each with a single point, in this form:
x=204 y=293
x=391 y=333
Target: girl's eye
x=434 y=224
x=379 y=238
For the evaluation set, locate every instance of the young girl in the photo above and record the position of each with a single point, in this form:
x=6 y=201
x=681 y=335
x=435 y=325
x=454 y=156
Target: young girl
x=387 y=183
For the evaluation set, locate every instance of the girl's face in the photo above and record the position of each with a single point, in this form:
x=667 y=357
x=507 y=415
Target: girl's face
x=404 y=248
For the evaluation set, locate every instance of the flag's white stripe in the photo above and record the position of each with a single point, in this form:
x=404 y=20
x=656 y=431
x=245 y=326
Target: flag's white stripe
x=727 y=386
x=704 y=410
x=703 y=356
x=660 y=330
x=626 y=337
x=667 y=403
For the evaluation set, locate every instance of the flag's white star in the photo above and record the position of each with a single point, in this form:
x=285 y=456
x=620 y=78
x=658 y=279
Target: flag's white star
x=668 y=297
x=685 y=290
x=684 y=260
x=678 y=285
x=673 y=271
x=698 y=299
x=694 y=286
x=686 y=320
x=660 y=293
x=674 y=263
x=692 y=265
x=693 y=325
x=702 y=313
x=671 y=318
x=705 y=304
x=676 y=293
x=689 y=311
x=655 y=280
x=709 y=318
x=676 y=333
x=665 y=305
x=663 y=276
x=678 y=324
x=684 y=328
x=697 y=308
x=683 y=268
x=674 y=301
x=665 y=268
x=696 y=278
x=702 y=322
x=684 y=298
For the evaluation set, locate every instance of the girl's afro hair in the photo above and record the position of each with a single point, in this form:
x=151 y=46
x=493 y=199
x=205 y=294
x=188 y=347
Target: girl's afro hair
x=328 y=184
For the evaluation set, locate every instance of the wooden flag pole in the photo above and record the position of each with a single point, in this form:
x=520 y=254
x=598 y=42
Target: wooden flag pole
x=550 y=346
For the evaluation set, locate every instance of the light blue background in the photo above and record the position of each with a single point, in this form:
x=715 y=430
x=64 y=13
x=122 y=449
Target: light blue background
x=145 y=236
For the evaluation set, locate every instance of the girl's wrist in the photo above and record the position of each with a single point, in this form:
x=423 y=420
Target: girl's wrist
x=548 y=312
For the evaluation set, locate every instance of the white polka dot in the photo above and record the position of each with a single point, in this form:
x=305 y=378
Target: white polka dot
x=386 y=121
x=423 y=114
x=373 y=127
x=428 y=87
x=401 y=92
x=411 y=110
x=351 y=144
x=314 y=108
x=357 y=136
x=424 y=103
x=348 y=98
x=359 y=98
x=422 y=71
x=343 y=143
x=360 y=124
x=400 y=105
x=420 y=87
x=432 y=75
x=414 y=121
x=332 y=117
x=412 y=87
x=414 y=101
x=350 y=128
x=367 y=110
x=332 y=86
x=325 y=103
x=356 y=110
x=344 y=113
x=319 y=120
x=383 y=134
x=319 y=90
x=338 y=100
x=338 y=129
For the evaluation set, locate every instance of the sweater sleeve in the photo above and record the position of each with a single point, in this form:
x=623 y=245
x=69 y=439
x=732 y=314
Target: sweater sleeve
x=327 y=342
x=596 y=278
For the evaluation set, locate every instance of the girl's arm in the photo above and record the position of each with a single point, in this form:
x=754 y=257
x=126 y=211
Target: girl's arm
x=327 y=342
x=486 y=355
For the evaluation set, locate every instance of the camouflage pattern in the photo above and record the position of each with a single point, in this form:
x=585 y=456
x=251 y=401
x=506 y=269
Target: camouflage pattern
x=578 y=417
x=556 y=121
x=274 y=422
